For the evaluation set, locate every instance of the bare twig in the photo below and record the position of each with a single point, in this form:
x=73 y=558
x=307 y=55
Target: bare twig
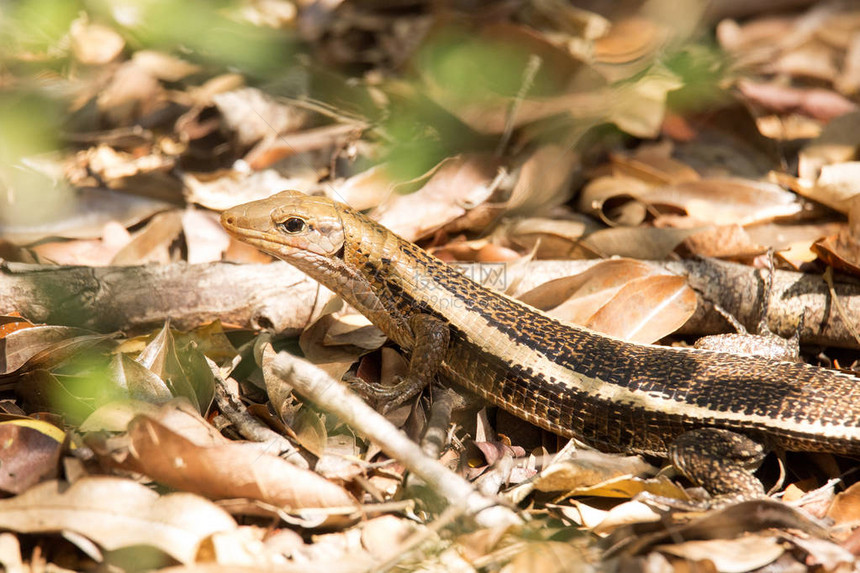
x=249 y=426
x=314 y=384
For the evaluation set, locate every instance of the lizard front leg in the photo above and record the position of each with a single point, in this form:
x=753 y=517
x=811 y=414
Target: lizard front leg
x=430 y=346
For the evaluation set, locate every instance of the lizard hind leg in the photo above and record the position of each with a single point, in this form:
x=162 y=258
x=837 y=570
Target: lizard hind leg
x=721 y=461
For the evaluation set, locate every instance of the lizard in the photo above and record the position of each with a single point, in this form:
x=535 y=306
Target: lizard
x=713 y=415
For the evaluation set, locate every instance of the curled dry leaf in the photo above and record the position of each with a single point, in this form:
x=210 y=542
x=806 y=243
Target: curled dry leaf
x=627 y=487
x=845 y=508
x=117 y=513
x=132 y=93
x=139 y=382
x=627 y=513
x=708 y=201
x=182 y=365
x=232 y=470
x=842 y=250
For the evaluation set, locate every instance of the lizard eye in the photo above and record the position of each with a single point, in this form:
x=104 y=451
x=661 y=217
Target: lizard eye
x=293 y=225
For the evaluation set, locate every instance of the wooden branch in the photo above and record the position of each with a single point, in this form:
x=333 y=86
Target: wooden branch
x=317 y=386
x=280 y=298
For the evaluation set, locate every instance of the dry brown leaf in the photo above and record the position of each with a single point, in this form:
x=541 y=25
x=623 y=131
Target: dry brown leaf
x=728 y=242
x=224 y=189
x=552 y=238
x=544 y=180
x=842 y=251
x=617 y=190
x=165 y=67
x=456 y=186
x=587 y=469
x=152 y=243
x=94 y=44
x=712 y=201
x=546 y=557
x=364 y=190
x=629 y=39
x=254 y=115
x=835 y=185
x=231 y=470
x=628 y=487
x=335 y=345
x=204 y=236
x=627 y=513
x=27 y=456
x=738 y=555
x=180 y=416
x=645 y=243
x=640 y=108
x=814 y=102
x=44 y=346
x=115 y=416
x=301 y=146
x=813 y=59
x=845 y=508
x=186 y=371
x=90 y=252
x=653 y=165
x=85 y=217
x=117 y=513
x=383 y=537
x=647 y=309
x=131 y=94
x=576 y=298
x=724 y=523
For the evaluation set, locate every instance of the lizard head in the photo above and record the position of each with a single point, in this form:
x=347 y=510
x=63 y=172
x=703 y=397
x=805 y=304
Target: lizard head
x=289 y=225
